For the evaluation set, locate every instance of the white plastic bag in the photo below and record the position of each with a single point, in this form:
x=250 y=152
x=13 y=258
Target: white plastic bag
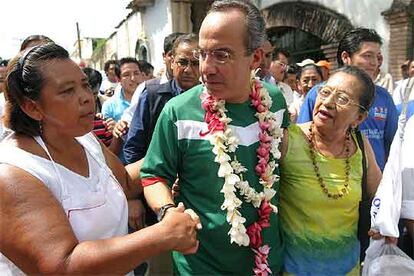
x=386 y=259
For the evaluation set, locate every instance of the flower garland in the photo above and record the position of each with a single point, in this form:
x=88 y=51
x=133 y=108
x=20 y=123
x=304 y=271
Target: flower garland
x=224 y=143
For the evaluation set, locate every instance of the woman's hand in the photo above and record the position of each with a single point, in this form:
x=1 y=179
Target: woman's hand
x=377 y=236
x=182 y=226
x=136 y=214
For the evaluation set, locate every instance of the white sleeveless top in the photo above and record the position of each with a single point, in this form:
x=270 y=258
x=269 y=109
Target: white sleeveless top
x=96 y=205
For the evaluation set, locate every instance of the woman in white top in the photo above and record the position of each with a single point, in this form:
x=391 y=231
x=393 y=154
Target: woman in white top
x=64 y=196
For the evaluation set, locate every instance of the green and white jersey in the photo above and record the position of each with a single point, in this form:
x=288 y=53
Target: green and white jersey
x=177 y=148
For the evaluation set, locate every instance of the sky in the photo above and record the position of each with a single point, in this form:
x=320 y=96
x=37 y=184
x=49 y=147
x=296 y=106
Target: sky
x=57 y=20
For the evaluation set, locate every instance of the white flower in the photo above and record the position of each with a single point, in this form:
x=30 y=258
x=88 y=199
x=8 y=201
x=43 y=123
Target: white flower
x=228 y=189
x=224 y=169
x=231 y=179
x=268 y=193
x=222 y=157
x=224 y=142
x=274 y=208
x=235 y=218
x=261 y=116
x=238 y=237
x=231 y=203
x=238 y=167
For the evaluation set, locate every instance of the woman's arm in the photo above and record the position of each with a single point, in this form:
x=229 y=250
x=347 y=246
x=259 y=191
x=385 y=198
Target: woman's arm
x=127 y=176
x=284 y=144
x=374 y=174
x=36 y=234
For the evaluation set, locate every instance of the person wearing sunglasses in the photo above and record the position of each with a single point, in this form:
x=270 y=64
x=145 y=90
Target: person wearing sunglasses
x=321 y=176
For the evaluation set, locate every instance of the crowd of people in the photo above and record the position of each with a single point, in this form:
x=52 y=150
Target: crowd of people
x=232 y=161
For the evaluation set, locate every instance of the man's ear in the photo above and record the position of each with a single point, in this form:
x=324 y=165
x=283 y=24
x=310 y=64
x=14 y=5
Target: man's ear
x=257 y=58
x=346 y=58
x=32 y=109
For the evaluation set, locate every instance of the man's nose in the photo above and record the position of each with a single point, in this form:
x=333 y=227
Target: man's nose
x=208 y=65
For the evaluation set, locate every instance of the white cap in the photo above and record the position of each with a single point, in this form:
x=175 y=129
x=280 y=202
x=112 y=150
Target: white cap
x=306 y=62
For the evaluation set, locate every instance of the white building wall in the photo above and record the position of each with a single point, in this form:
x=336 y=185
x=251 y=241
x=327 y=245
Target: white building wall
x=361 y=13
x=157 y=25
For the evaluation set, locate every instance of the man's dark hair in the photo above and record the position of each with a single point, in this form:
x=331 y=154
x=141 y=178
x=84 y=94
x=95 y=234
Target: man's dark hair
x=125 y=60
x=145 y=67
x=292 y=69
x=282 y=51
x=108 y=64
x=185 y=38
x=25 y=80
x=254 y=22
x=352 y=42
x=34 y=40
x=367 y=97
x=169 y=41
x=94 y=78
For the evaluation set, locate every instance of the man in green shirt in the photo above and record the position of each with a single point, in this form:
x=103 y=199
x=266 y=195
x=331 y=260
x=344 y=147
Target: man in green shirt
x=202 y=134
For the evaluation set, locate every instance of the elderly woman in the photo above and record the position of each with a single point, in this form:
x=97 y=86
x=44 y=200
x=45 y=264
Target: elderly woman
x=308 y=76
x=63 y=194
x=321 y=173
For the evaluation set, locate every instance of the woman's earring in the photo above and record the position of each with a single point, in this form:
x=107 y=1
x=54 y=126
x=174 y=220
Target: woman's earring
x=40 y=128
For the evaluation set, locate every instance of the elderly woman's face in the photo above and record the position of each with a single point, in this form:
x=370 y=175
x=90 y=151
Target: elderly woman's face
x=66 y=102
x=337 y=104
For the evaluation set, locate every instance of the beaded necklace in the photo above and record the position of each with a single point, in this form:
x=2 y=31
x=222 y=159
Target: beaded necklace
x=344 y=189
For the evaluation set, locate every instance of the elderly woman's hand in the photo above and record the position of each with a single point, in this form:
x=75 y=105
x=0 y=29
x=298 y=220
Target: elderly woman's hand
x=377 y=236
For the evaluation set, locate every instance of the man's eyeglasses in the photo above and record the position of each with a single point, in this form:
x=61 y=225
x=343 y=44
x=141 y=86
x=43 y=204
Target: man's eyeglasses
x=219 y=56
x=281 y=64
x=183 y=62
x=341 y=98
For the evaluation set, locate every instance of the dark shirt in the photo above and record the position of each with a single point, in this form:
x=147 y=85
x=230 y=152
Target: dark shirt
x=141 y=128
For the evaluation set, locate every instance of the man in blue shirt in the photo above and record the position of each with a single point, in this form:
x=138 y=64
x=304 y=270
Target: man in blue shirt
x=186 y=74
x=362 y=48
x=130 y=77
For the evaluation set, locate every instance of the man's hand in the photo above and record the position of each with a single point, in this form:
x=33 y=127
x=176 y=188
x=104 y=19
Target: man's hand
x=120 y=129
x=136 y=214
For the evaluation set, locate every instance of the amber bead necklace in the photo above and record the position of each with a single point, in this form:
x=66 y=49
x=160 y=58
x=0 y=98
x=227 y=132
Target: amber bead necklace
x=312 y=148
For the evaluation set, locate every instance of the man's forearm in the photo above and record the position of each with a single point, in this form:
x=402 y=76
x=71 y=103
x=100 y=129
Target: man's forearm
x=157 y=195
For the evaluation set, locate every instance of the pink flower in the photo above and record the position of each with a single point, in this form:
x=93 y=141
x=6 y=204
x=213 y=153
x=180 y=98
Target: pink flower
x=264 y=137
x=254 y=231
x=260 y=108
x=264 y=125
x=262 y=151
x=261 y=263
